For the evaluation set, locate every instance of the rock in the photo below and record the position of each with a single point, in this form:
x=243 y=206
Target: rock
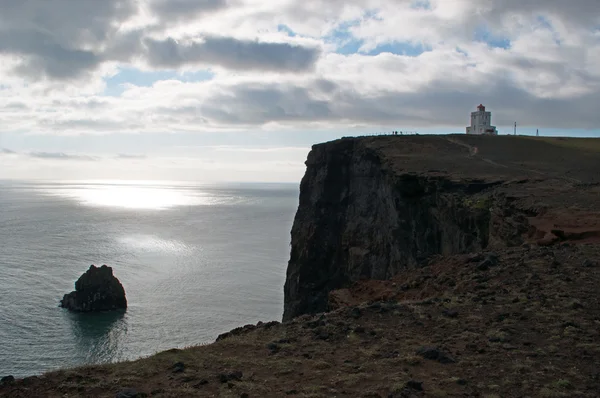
x=201 y=383
x=321 y=334
x=587 y=263
x=271 y=324
x=435 y=354
x=576 y=305
x=179 y=367
x=96 y=290
x=7 y=380
x=27 y=381
x=223 y=336
x=128 y=393
x=489 y=261
x=414 y=385
x=450 y=313
x=273 y=347
x=355 y=313
x=411 y=389
x=233 y=376
x=474 y=258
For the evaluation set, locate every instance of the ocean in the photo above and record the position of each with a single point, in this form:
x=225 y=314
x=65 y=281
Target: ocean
x=196 y=260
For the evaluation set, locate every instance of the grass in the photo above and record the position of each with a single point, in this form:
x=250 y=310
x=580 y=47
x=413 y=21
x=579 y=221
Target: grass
x=481 y=203
x=585 y=144
x=563 y=384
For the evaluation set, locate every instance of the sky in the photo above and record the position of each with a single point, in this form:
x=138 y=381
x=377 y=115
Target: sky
x=239 y=90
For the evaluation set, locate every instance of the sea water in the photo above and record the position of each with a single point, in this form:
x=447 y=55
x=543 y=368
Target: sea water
x=195 y=260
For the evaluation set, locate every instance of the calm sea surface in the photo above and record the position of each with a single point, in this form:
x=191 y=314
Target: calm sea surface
x=195 y=261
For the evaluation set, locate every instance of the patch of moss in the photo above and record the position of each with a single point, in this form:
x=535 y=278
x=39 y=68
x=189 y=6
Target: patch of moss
x=563 y=384
x=480 y=203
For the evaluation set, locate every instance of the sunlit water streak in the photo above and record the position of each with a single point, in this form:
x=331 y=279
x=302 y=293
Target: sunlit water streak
x=195 y=261
x=136 y=196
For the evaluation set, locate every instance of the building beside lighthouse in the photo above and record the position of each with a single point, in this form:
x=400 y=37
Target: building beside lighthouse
x=481 y=122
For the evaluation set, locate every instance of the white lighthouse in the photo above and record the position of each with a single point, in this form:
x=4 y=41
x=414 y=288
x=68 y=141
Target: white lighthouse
x=481 y=122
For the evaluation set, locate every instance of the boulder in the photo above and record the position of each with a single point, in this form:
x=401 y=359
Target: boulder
x=7 y=380
x=96 y=290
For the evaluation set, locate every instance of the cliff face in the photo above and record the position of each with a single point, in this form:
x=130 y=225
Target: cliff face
x=358 y=218
x=373 y=206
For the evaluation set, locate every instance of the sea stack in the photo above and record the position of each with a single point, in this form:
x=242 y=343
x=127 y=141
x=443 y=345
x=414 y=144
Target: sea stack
x=95 y=291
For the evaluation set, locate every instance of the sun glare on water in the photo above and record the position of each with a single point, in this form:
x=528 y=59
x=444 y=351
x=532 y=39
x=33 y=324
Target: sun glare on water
x=133 y=196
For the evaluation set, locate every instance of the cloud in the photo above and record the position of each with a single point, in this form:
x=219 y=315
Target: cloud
x=296 y=65
x=436 y=103
x=172 y=11
x=61 y=156
x=130 y=156
x=232 y=54
x=6 y=151
x=68 y=40
x=41 y=55
x=241 y=149
x=61 y=39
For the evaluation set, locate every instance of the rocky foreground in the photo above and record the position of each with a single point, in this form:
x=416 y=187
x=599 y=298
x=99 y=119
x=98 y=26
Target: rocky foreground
x=420 y=266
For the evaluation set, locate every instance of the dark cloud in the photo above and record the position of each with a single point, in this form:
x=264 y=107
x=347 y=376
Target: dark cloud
x=60 y=39
x=61 y=156
x=6 y=151
x=441 y=103
x=42 y=56
x=232 y=54
x=580 y=13
x=70 y=23
x=171 y=11
x=258 y=104
x=64 y=39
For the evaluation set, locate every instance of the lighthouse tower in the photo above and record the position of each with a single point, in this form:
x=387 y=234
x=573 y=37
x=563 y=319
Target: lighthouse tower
x=481 y=122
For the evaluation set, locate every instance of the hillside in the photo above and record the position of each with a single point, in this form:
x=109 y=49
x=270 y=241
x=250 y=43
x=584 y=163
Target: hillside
x=420 y=266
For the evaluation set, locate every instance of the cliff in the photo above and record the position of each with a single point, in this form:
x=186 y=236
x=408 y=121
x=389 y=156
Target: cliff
x=450 y=266
x=373 y=206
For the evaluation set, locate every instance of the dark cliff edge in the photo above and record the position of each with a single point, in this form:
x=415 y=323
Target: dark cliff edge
x=420 y=266
x=371 y=207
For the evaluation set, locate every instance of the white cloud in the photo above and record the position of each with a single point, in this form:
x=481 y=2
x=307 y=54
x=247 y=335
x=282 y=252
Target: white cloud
x=239 y=165
x=55 y=58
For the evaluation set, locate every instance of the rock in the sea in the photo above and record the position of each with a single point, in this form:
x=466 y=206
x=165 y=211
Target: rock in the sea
x=96 y=290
